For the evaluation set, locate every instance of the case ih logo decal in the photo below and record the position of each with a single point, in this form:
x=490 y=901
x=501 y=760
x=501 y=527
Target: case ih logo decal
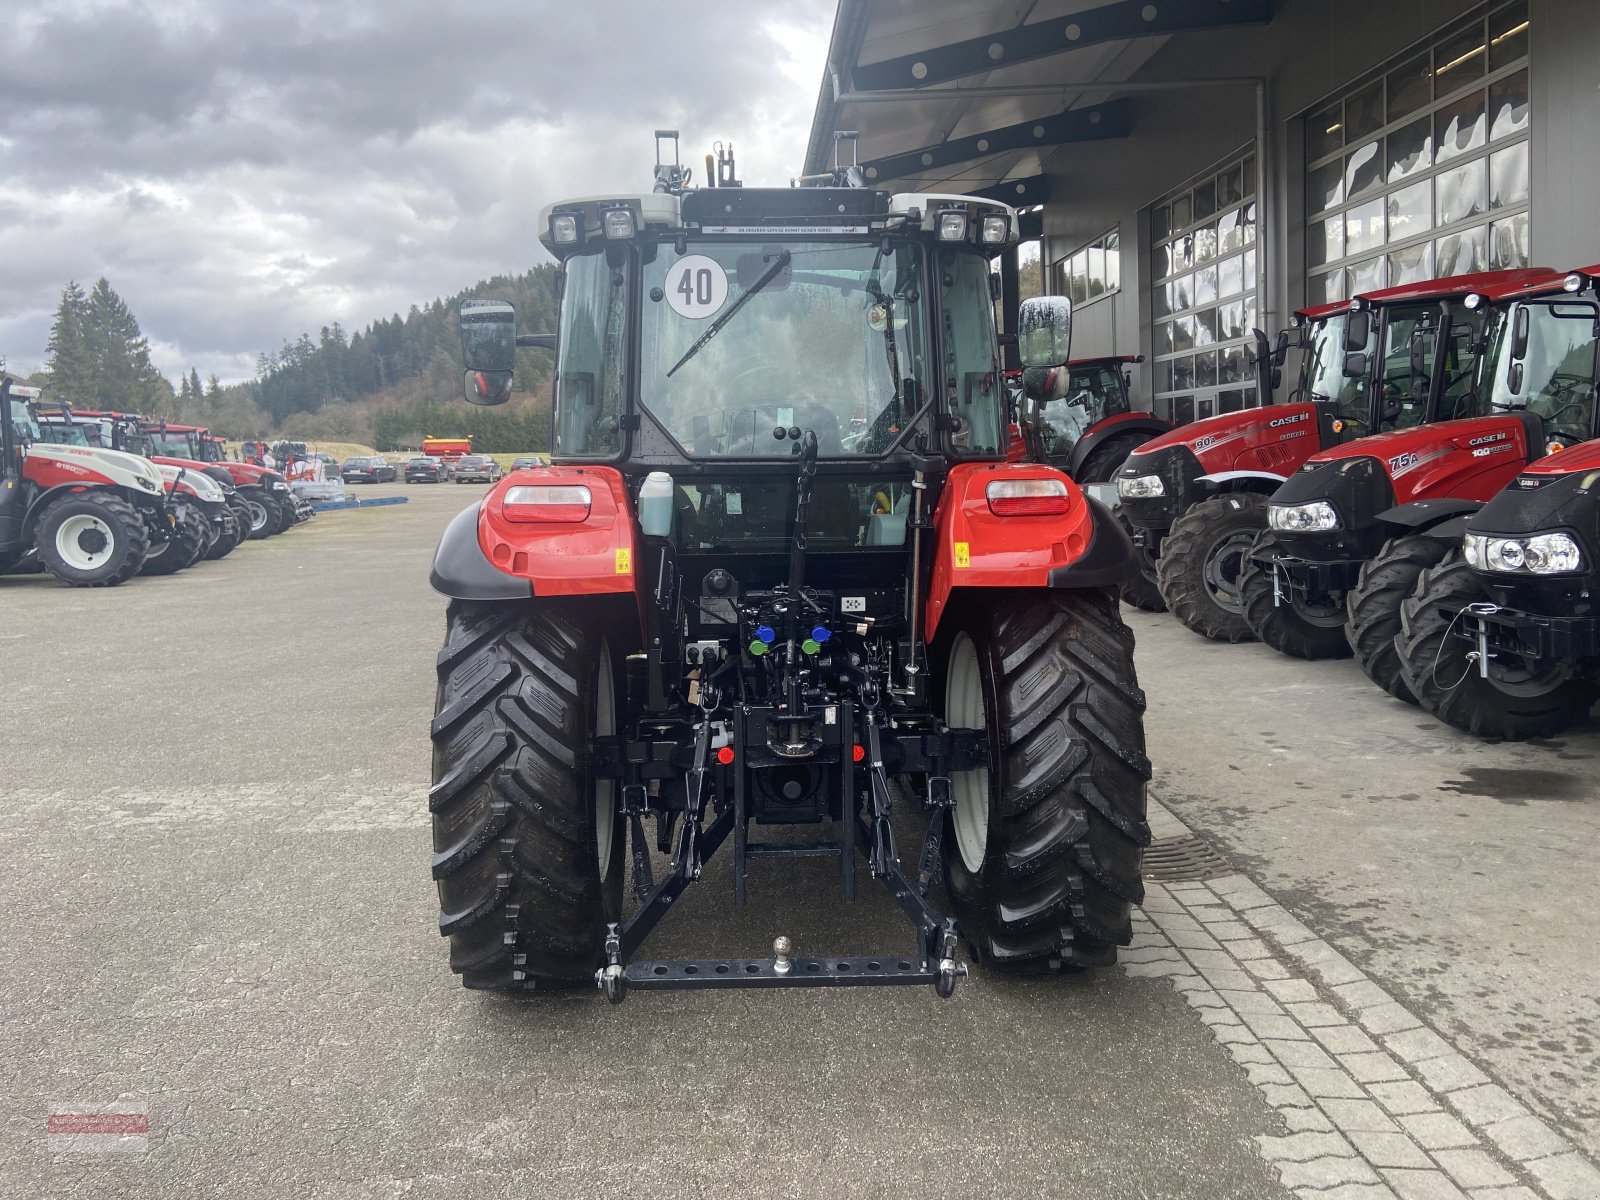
x=1281 y=421
x=1487 y=439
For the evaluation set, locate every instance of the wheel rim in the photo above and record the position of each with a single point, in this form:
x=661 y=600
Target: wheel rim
x=963 y=709
x=1323 y=616
x=605 y=792
x=258 y=514
x=1224 y=565
x=1513 y=675
x=84 y=541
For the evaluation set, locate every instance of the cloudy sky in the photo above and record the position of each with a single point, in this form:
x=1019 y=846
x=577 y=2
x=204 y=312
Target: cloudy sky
x=245 y=170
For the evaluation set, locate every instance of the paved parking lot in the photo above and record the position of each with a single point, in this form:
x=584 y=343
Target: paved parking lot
x=219 y=914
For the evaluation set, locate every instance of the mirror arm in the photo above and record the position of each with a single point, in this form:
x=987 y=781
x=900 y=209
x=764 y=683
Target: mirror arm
x=538 y=341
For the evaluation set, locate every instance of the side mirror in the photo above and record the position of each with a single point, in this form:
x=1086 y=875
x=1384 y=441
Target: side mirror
x=1358 y=330
x=1514 y=379
x=1355 y=366
x=1281 y=350
x=1519 y=335
x=1419 y=357
x=489 y=350
x=1044 y=331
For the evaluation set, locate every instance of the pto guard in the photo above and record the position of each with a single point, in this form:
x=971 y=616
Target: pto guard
x=1083 y=547
x=485 y=555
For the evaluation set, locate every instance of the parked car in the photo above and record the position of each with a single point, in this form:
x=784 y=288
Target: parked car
x=477 y=468
x=527 y=460
x=425 y=470
x=369 y=470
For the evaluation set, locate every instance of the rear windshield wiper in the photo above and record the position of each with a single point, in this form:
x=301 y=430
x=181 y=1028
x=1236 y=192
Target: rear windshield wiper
x=767 y=276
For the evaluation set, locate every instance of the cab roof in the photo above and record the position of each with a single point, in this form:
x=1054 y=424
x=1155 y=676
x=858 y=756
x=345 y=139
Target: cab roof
x=1495 y=285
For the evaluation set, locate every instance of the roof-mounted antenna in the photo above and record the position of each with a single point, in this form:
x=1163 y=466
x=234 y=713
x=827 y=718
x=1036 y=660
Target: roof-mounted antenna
x=671 y=177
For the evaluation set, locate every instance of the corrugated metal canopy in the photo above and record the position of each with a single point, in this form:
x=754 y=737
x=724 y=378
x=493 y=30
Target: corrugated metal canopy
x=951 y=51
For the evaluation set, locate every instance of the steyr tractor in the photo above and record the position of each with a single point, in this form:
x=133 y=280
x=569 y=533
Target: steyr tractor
x=1503 y=640
x=1350 y=532
x=265 y=492
x=87 y=516
x=210 y=519
x=1197 y=497
x=729 y=608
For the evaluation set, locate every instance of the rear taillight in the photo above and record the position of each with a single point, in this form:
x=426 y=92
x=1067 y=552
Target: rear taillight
x=553 y=503
x=1028 y=497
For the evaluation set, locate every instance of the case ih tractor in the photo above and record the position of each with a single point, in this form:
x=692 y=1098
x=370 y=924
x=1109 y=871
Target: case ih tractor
x=265 y=492
x=1504 y=640
x=86 y=515
x=1350 y=532
x=210 y=518
x=1197 y=497
x=726 y=610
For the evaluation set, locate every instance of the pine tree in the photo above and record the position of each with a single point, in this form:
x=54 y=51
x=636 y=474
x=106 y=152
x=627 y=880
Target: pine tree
x=70 y=362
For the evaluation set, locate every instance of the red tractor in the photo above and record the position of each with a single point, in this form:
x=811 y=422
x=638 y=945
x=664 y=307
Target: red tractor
x=1083 y=419
x=88 y=516
x=1503 y=640
x=1350 y=533
x=1196 y=498
x=265 y=492
x=726 y=609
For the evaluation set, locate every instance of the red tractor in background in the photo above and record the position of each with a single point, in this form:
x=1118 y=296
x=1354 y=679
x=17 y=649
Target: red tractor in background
x=264 y=491
x=1083 y=417
x=1503 y=638
x=1197 y=497
x=1350 y=533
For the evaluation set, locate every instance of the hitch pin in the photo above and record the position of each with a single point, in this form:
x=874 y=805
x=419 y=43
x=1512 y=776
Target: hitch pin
x=1479 y=611
x=1277 y=586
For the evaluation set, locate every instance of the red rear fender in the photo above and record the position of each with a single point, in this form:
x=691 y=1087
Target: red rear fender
x=587 y=556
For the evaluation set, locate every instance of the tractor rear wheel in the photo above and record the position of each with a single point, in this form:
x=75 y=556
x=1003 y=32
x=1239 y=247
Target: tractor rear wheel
x=1522 y=698
x=1142 y=591
x=527 y=842
x=1373 y=606
x=183 y=546
x=1104 y=461
x=1043 y=846
x=93 y=538
x=1202 y=559
x=1284 y=619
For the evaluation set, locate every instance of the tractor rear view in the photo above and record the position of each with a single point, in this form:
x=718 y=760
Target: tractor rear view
x=731 y=606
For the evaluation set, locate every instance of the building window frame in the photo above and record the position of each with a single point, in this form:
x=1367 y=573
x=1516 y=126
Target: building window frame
x=1091 y=272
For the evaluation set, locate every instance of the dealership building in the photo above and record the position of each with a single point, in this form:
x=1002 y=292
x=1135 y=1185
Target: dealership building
x=1190 y=170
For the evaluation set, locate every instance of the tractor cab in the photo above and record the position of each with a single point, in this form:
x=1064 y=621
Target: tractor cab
x=780 y=559
x=1083 y=419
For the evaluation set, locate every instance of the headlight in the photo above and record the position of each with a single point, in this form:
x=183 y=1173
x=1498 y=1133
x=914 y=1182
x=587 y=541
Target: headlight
x=564 y=229
x=150 y=485
x=994 y=230
x=1538 y=554
x=952 y=227
x=1141 y=487
x=1317 y=517
x=279 y=485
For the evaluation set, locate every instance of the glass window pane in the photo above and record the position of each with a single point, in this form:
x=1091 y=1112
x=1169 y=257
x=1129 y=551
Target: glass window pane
x=1205 y=285
x=1182 y=293
x=1183 y=334
x=1410 y=210
x=1229 y=235
x=1508 y=176
x=1324 y=241
x=1508 y=243
x=1230 y=187
x=1410 y=149
x=1113 y=244
x=1250 y=270
x=1159 y=304
x=1182 y=373
x=1205 y=327
x=1230 y=321
x=1180 y=213
x=1325 y=187
x=1460 y=59
x=1182 y=410
x=1508 y=105
x=1363 y=227
x=1460 y=127
x=1462 y=253
x=1462 y=192
x=1363 y=113
x=1249 y=224
x=1249 y=319
x=1080 y=277
x=1230 y=276
x=1161 y=337
x=1205 y=200
x=1161 y=262
x=1097 y=270
x=1249 y=169
x=1410 y=87
x=1230 y=365
x=1412 y=265
x=1508 y=35
x=1367 y=276
x=1205 y=370
x=1205 y=243
x=1325 y=289
x=1160 y=222
x=1164 y=376
x=1363 y=169
x=1324 y=133
x=1183 y=253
